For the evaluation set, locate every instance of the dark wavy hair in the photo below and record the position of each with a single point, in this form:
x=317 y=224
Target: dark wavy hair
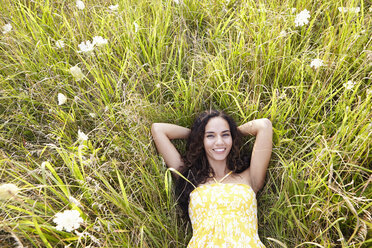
x=196 y=167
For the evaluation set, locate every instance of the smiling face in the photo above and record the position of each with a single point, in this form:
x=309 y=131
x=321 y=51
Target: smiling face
x=217 y=140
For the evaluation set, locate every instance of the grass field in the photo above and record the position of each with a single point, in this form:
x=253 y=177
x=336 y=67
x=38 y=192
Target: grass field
x=81 y=85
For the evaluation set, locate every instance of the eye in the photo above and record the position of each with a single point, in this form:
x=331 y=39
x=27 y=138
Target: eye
x=226 y=135
x=210 y=136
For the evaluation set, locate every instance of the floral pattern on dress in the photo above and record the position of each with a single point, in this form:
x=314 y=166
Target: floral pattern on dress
x=224 y=215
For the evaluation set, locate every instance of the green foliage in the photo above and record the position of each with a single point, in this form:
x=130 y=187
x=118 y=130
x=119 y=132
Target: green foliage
x=166 y=62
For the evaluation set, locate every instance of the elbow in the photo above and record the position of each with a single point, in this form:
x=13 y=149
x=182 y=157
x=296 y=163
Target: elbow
x=266 y=124
x=154 y=128
x=266 y=127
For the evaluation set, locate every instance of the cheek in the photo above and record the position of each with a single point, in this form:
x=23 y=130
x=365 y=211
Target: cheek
x=207 y=143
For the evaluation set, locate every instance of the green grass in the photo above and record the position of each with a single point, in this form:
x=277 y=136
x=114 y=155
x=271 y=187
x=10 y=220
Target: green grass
x=245 y=57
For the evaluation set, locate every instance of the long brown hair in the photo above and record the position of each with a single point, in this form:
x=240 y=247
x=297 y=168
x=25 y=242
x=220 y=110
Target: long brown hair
x=196 y=167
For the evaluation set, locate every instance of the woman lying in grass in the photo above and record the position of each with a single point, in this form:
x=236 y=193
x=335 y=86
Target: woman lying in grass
x=219 y=195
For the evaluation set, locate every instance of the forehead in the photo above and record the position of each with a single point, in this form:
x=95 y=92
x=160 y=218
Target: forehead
x=217 y=124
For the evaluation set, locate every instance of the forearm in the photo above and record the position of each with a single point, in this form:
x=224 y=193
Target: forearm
x=162 y=134
x=171 y=131
x=255 y=126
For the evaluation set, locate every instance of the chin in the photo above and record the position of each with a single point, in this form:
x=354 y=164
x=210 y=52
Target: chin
x=219 y=158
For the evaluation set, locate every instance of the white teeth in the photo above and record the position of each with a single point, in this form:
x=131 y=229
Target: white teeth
x=219 y=150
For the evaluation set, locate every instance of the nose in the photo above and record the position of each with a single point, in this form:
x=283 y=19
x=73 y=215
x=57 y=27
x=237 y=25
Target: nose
x=219 y=140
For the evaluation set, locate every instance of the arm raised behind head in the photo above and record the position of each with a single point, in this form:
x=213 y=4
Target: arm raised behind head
x=162 y=134
x=261 y=154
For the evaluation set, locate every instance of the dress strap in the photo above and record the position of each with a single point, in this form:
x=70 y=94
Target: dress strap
x=228 y=174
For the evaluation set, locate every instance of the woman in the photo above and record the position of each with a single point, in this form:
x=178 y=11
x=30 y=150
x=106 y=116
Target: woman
x=219 y=193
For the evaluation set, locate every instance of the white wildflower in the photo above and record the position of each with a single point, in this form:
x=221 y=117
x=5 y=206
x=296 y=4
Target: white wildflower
x=354 y=10
x=82 y=136
x=60 y=44
x=349 y=85
x=76 y=72
x=99 y=41
x=7 y=191
x=68 y=220
x=351 y=10
x=316 y=63
x=86 y=47
x=74 y=201
x=93 y=115
x=293 y=10
x=302 y=18
x=61 y=99
x=80 y=5
x=283 y=33
x=157 y=85
x=176 y=1
x=114 y=7
x=7 y=28
x=135 y=27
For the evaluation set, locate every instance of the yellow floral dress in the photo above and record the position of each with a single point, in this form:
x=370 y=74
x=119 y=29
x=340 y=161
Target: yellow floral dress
x=224 y=215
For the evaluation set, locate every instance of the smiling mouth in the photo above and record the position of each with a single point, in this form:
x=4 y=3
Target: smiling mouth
x=219 y=149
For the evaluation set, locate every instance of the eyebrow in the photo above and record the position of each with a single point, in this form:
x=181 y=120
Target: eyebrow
x=225 y=131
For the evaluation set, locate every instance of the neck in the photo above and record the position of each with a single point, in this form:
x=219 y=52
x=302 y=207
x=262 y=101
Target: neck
x=219 y=167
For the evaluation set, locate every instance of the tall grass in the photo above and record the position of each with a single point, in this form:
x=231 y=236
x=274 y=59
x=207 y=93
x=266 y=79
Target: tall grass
x=245 y=57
